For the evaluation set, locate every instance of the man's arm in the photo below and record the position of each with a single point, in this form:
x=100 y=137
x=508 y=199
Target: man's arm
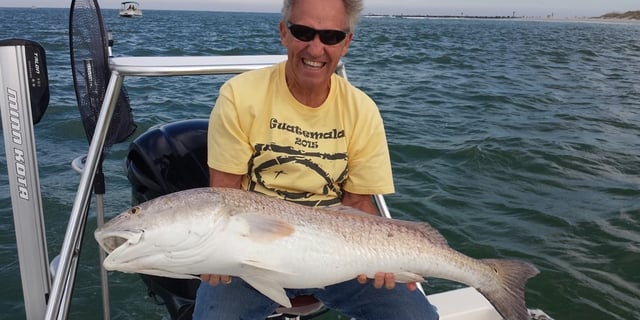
x=225 y=180
x=361 y=202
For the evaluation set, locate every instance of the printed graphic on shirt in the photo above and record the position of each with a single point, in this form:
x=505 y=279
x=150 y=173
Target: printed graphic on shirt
x=304 y=138
x=311 y=178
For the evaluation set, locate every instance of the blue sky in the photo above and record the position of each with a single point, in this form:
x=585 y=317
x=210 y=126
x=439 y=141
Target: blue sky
x=560 y=8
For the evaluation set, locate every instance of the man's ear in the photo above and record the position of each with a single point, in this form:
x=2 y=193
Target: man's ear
x=347 y=43
x=283 y=34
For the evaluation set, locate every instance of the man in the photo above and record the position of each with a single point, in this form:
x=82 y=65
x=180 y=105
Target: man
x=299 y=132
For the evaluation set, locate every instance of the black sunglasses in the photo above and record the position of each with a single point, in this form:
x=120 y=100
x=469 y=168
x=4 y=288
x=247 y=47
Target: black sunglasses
x=306 y=34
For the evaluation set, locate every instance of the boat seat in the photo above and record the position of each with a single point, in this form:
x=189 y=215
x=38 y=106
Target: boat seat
x=171 y=158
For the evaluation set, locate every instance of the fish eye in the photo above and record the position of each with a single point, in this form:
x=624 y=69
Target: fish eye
x=135 y=210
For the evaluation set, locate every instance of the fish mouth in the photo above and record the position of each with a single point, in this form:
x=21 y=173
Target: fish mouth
x=110 y=241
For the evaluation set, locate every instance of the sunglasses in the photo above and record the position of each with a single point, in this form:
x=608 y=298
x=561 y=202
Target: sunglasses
x=306 y=34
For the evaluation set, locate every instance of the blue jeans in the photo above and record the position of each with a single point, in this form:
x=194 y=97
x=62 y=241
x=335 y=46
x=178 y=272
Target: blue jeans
x=238 y=300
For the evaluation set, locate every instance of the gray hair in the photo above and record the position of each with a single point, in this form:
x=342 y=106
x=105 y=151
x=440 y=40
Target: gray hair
x=353 y=8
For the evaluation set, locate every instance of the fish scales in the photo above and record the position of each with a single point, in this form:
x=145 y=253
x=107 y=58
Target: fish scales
x=356 y=227
x=368 y=235
x=273 y=244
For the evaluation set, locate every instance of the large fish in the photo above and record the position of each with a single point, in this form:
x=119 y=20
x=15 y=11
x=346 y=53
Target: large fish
x=274 y=244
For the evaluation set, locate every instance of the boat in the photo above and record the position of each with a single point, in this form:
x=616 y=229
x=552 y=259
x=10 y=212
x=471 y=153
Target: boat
x=130 y=9
x=47 y=286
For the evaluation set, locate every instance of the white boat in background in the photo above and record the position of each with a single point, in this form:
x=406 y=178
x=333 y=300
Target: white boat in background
x=130 y=9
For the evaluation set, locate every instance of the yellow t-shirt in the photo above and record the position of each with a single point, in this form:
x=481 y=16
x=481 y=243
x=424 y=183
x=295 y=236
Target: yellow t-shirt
x=283 y=148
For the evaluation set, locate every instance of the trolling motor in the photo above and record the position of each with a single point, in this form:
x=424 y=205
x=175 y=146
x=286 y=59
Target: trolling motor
x=24 y=97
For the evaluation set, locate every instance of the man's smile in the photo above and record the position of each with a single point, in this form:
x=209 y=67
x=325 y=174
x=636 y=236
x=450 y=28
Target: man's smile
x=314 y=64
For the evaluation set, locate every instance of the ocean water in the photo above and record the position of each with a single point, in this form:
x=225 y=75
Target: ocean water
x=516 y=139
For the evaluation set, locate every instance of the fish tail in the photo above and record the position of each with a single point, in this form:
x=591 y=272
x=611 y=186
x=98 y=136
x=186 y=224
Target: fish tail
x=507 y=295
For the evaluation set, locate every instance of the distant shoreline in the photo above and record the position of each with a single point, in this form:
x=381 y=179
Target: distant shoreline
x=426 y=16
x=516 y=18
x=627 y=16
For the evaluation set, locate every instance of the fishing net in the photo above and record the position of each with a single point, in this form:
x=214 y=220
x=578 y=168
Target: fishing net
x=89 y=63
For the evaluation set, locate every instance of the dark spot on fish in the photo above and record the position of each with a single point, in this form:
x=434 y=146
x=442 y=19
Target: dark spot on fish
x=390 y=235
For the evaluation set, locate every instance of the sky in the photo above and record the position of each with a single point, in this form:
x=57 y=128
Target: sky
x=534 y=8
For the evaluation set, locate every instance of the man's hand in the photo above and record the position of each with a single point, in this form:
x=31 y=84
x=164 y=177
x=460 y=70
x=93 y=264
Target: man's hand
x=388 y=280
x=215 y=279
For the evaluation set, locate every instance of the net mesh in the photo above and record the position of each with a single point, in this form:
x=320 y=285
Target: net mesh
x=89 y=63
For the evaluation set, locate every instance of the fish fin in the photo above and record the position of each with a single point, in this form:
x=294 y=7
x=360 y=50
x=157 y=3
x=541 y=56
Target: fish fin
x=270 y=289
x=263 y=228
x=404 y=277
x=257 y=274
x=507 y=295
x=264 y=267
